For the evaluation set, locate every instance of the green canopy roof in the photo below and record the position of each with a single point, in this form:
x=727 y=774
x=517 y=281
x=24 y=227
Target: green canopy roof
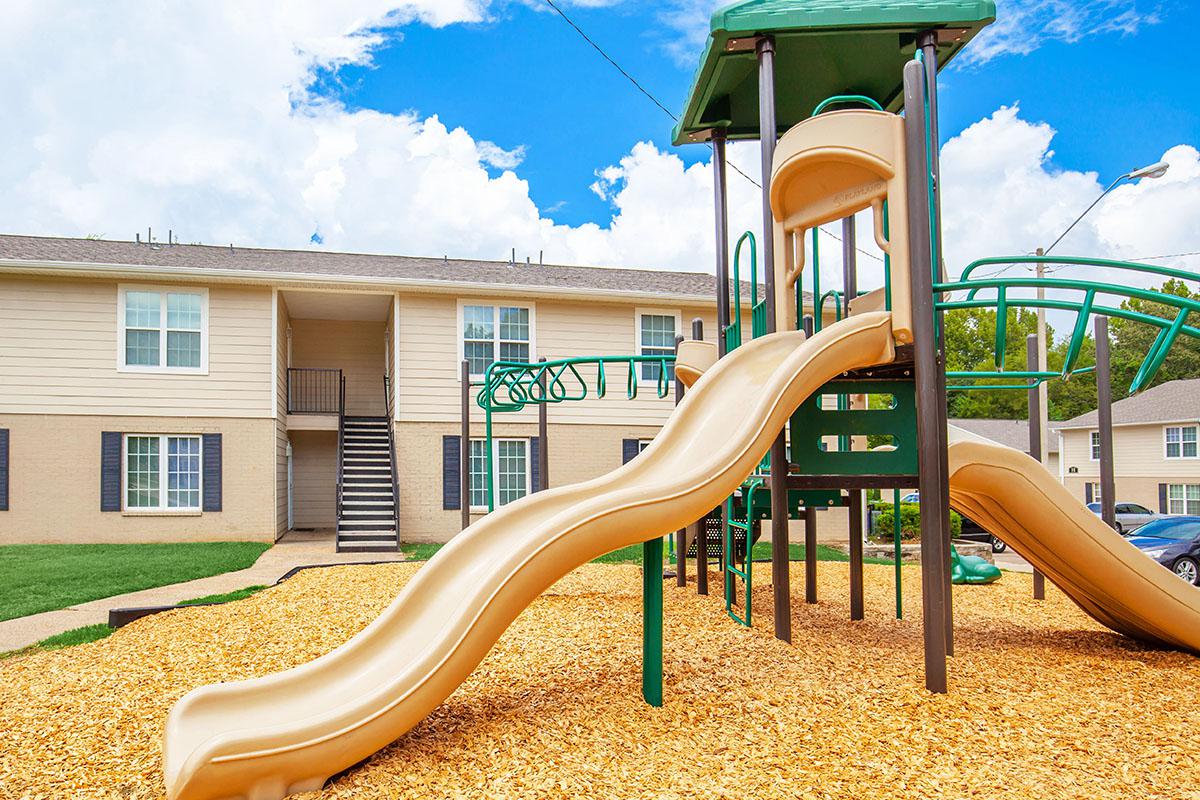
x=822 y=48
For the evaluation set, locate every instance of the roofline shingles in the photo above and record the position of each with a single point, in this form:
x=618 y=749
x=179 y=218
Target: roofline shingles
x=332 y=265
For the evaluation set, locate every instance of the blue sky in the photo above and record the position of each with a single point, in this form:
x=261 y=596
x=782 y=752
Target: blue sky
x=1118 y=100
x=468 y=128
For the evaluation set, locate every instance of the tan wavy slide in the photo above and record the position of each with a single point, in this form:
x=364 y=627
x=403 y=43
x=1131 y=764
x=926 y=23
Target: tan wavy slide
x=268 y=737
x=1014 y=498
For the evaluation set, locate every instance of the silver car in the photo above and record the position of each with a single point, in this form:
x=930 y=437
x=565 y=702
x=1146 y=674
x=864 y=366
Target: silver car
x=1130 y=516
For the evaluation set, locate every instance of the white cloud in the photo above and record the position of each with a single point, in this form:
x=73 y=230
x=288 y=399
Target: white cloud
x=1023 y=26
x=202 y=120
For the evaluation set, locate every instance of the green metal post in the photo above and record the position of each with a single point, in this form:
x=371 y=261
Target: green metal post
x=652 y=621
x=896 y=528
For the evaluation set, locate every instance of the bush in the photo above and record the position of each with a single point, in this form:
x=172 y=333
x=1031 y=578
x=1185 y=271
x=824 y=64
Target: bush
x=910 y=523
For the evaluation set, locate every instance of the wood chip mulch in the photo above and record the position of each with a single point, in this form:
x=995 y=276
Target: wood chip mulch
x=1043 y=704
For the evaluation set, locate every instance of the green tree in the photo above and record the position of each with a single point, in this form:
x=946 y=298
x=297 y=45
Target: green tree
x=1131 y=341
x=970 y=347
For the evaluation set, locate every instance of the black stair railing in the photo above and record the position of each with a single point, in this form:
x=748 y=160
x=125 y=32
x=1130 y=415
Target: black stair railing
x=315 y=391
x=341 y=449
x=387 y=402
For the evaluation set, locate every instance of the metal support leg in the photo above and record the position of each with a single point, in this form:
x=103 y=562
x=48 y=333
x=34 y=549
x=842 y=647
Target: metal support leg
x=935 y=553
x=1035 y=439
x=702 y=557
x=810 y=554
x=856 y=555
x=652 y=622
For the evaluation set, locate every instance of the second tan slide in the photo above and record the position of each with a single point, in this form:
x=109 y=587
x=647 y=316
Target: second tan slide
x=1014 y=498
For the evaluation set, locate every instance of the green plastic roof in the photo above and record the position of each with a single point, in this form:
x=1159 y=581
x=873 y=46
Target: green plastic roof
x=822 y=48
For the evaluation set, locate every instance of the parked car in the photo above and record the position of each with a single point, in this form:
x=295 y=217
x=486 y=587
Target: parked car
x=972 y=532
x=1130 y=516
x=911 y=497
x=1173 y=542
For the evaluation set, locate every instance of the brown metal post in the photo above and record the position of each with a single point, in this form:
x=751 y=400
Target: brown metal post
x=810 y=554
x=544 y=433
x=681 y=534
x=720 y=214
x=1035 y=439
x=810 y=518
x=702 y=529
x=780 y=572
x=1108 y=482
x=850 y=285
x=931 y=404
x=927 y=41
x=464 y=450
x=856 y=554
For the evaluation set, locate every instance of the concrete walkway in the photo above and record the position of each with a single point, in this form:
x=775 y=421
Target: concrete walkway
x=293 y=550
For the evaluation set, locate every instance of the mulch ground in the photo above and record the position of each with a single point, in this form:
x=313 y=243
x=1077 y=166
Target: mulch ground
x=1044 y=703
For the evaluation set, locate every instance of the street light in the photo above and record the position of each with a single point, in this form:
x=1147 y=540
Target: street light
x=1155 y=170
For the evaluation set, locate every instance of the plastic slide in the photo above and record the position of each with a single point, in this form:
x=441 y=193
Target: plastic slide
x=1014 y=498
x=268 y=737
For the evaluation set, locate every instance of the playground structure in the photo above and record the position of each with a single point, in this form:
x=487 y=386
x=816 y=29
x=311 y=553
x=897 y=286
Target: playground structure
x=288 y=732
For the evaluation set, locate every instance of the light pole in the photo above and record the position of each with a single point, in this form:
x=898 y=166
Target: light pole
x=1155 y=170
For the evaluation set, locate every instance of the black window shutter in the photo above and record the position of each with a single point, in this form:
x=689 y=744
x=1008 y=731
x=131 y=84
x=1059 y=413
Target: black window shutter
x=212 y=471
x=535 y=464
x=3 y=469
x=1162 y=499
x=110 y=471
x=451 y=473
x=629 y=450
x=1087 y=492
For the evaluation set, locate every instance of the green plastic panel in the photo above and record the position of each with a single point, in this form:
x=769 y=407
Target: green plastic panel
x=811 y=422
x=822 y=48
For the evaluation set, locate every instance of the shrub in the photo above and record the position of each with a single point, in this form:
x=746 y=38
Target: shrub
x=910 y=523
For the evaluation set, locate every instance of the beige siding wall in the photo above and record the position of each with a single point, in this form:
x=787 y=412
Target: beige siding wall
x=356 y=348
x=314 y=479
x=281 y=433
x=58 y=354
x=55 y=482
x=430 y=355
x=1139 y=463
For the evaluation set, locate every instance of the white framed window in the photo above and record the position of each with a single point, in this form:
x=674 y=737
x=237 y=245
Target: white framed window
x=162 y=329
x=491 y=332
x=511 y=477
x=1183 y=498
x=1180 y=441
x=1094 y=441
x=655 y=331
x=1096 y=498
x=643 y=444
x=162 y=472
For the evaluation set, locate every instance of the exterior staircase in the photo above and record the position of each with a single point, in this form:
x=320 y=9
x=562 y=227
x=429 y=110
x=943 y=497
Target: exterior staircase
x=367 y=503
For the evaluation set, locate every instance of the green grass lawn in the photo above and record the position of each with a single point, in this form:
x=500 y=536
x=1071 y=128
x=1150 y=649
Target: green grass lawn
x=228 y=597
x=45 y=577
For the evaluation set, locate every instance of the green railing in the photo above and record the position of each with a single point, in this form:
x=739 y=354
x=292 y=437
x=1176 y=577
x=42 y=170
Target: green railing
x=746 y=570
x=510 y=386
x=758 y=308
x=1003 y=295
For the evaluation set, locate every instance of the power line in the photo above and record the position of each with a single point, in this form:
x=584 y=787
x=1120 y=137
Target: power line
x=1169 y=255
x=668 y=111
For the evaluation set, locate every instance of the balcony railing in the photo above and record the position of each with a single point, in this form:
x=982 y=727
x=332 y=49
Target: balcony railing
x=314 y=391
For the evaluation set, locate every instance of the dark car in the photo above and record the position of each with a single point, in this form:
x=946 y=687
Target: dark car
x=1173 y=542
x=972 y=532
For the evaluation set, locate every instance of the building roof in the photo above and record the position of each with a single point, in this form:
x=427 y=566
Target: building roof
x=258 y=264
x=1013 y=433
x=822 y=48
x=1173 y=401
